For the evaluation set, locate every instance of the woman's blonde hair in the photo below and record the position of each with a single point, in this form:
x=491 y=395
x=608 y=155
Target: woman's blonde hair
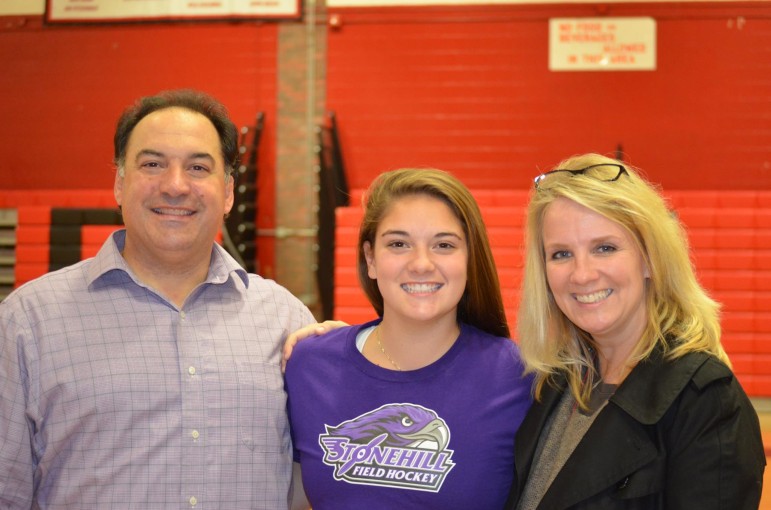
x=481 y=304
x=681 y=316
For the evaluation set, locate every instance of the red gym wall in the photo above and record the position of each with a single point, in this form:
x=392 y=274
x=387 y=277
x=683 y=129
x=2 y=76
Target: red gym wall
x=468 y=89
x=63 y=88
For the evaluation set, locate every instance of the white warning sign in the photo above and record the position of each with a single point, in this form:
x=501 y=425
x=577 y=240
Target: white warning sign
x=602 y=44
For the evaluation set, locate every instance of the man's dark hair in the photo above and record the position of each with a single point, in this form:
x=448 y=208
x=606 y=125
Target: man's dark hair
x=193 y=100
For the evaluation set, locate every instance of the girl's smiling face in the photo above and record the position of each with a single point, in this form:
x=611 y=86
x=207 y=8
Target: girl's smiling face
x=419 y=259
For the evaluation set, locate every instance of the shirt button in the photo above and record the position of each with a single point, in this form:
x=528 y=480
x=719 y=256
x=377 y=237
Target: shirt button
x=182 y=315
x=193 y=501
x=195 y=434
x=191 y=370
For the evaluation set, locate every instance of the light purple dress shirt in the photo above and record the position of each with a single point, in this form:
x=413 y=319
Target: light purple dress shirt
x=111 y=397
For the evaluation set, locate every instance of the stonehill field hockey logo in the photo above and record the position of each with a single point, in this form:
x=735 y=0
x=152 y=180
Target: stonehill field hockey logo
x=396 y=445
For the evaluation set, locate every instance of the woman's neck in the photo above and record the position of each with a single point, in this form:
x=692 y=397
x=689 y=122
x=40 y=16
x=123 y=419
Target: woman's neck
x=400 y=346
x=615 y=364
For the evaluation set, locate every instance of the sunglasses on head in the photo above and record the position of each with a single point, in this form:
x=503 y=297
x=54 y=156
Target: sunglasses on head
x=601 y=172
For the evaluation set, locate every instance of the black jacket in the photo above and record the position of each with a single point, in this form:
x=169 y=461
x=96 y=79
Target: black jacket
x=675 y=435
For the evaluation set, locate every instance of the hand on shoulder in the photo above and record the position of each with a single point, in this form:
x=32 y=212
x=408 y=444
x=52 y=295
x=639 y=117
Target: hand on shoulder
x=318 y=328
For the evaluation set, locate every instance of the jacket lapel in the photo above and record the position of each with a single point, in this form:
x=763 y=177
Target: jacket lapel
x=615 y=445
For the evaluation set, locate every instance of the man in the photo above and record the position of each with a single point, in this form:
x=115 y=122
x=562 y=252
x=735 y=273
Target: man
x=148 y=376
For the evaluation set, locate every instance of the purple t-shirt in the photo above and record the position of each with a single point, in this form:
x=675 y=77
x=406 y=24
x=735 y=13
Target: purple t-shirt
x=438 y=437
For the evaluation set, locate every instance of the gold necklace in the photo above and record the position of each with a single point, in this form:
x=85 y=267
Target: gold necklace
x=395 y=364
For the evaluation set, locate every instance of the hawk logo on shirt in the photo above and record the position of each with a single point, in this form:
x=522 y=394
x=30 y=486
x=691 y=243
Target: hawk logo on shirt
x=396 y=445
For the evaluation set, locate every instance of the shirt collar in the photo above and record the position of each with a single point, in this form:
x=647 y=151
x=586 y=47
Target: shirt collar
x=109 y=259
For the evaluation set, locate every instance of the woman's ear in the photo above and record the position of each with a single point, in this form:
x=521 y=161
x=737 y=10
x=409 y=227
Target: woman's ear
x=369 y=256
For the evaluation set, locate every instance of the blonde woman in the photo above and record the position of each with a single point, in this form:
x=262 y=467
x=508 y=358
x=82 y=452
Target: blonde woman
x=636 y=404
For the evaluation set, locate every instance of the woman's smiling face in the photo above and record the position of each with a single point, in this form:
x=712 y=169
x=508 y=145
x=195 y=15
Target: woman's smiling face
x=596 y=273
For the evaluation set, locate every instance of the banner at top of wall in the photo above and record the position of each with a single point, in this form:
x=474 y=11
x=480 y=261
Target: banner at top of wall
x=403 y=3
x=101 y=11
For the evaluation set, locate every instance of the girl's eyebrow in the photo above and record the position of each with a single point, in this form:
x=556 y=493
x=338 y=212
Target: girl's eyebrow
x=393 y=233
x=449 y=234
x=404 y=233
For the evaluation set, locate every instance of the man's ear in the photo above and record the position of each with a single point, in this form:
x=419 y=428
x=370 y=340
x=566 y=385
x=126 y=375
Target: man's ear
x=117 y=188
x=229 y=194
